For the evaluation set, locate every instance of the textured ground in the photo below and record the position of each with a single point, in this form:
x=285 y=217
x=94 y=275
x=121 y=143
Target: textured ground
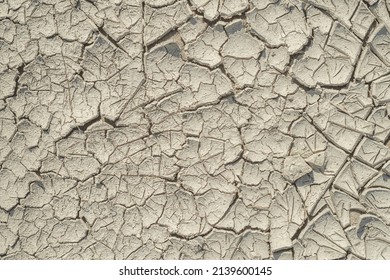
x=175 y=129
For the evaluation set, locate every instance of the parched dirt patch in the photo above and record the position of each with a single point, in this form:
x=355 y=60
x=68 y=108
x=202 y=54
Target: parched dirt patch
x=199 y=129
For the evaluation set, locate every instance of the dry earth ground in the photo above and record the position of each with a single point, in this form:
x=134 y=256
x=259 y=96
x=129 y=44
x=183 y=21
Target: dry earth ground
x=199 y=129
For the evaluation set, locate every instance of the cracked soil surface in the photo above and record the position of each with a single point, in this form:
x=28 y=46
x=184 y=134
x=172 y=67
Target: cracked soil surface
x=194 y=129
